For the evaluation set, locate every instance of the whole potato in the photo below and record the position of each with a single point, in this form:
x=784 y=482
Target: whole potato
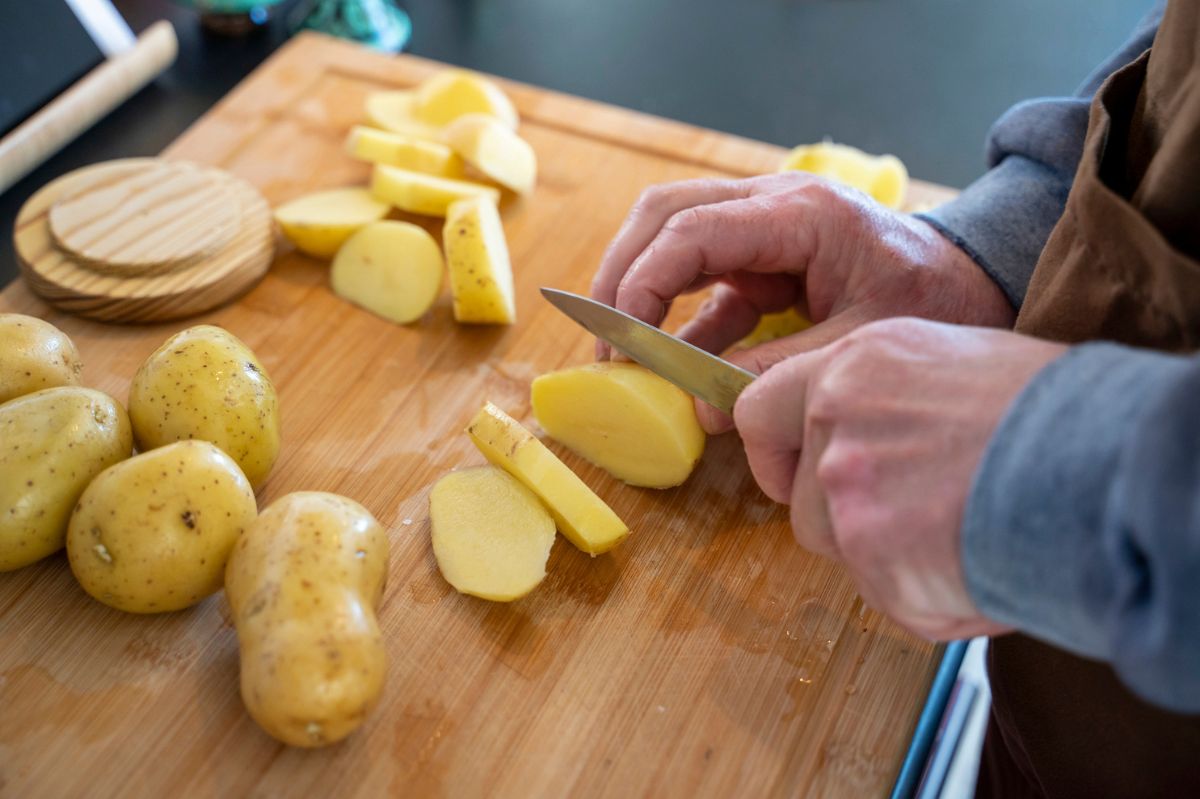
x=52 y=443
x=304 y=583
x=204 y=383
x=153 y=533
x=34 y=355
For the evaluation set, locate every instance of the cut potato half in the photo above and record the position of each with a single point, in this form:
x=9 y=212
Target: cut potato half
x=406 y=152
x=419 y=193
x=393 y=269
x=453 y=93
x=581 y=516
x=774 y=326
x=884 y=177
x=491 y=534
x=494 y=150
x=393 y=111
x=320 y=223
x=481 y=277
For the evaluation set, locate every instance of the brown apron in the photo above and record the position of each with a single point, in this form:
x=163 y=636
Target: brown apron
x=1123 y=264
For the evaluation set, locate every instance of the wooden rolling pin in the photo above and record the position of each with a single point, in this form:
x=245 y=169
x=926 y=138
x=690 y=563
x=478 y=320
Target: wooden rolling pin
x=85 y=103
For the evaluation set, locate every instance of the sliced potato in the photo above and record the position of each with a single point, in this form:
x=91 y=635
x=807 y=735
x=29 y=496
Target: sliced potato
x=881 y=176
x=419 y=193
x=453 y=93
x=775 y=325
x=406 y=152
x=494 y=150
x=581 y=516
x=393 y=269
x=625 y=419
x=393 y=111
x=481 y=277
x=491 y=535
x=320 y=223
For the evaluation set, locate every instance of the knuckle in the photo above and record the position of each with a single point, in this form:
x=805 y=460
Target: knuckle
x=686 y=222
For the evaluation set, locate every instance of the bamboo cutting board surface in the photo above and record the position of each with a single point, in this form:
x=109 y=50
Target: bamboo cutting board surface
x=706 y=656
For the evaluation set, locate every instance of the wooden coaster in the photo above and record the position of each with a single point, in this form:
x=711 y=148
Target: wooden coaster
x=72 y=285
x=147 y=219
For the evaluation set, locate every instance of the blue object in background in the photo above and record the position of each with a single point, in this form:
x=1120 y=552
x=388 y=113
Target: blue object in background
x=380 y=24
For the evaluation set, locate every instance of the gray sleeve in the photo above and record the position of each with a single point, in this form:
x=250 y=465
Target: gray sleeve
x=1083 y=523
x=1003 y=219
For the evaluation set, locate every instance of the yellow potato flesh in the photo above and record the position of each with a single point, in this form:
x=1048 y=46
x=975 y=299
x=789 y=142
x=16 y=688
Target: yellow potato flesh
x=53 y=443
x=406 y=152
x=774 y=326
x=494 y=150
x=304 y=583
x=581 y=516
x=881 y=176
x=454 y=93
x=205 y=384
x=623 y=418
x=393 y=269
x=491 y=535
x=393 y=111
x=34 y=355
x=152 y=534
x=419 y=193
x=320 y=223
x=481 y=277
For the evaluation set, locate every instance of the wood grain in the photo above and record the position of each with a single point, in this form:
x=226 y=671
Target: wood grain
x=706 y=656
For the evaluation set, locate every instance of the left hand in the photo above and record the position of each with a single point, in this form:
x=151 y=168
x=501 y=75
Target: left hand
x=874 y=441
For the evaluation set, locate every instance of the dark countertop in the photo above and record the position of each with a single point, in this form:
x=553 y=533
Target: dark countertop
x=922 y=79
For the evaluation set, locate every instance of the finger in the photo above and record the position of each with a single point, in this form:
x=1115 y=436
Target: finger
x=811 y=521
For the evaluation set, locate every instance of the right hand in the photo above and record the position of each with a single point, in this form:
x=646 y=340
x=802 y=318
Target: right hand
x=780 y=241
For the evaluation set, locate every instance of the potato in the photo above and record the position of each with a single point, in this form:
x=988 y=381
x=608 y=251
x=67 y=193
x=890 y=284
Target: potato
x=481 y=278
x=581 y=516
x=34 y=355
x=774 y=326
x=419 y=193
x=625 y=419
x=494 y=150
x=453 y=93
x=152 y=534
x=881 y=176
x=204 y=383
x=491 y=535
x=320 y=223
x=393 y=269
x=406 y=152
x=304 y=583
x=54 y=442
x=393 y=111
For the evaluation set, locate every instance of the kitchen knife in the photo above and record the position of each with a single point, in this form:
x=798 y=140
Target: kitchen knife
x=700 y=374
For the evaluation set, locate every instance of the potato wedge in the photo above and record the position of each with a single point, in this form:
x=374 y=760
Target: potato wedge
x=491 y=535
x=393 y=111
x=881 y=176
x=454 y=93
x=320 y=223
x=419 y=193
x=34 y=355
x=581 y=516
x=406 y=152
x=393 y=269
x=481 y=278
x=495 y=150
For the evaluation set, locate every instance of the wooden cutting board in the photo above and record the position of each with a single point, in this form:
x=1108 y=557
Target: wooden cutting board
x=706 y=656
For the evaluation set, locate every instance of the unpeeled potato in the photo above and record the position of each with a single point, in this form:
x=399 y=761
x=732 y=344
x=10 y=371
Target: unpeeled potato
x=393 y=269
x=320 y=223
x=34 y=355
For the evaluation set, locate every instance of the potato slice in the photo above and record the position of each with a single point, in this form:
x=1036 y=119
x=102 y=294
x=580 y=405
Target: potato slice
x=581 y=516
x=881 y=176
x=481 y=277
x=494 y=150
x=491 y=535
x=393 y=269
x=450 y=94
x=320 y=223
x=419 y=193
x=407 y=152
x=775 y=325
x=393 y=111
x=625 y=419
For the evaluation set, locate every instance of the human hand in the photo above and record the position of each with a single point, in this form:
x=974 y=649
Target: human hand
x=874 y=441
x=784 y=240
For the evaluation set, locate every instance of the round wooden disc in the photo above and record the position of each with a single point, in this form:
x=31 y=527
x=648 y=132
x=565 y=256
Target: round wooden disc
x=146 y=219
x=202 y=284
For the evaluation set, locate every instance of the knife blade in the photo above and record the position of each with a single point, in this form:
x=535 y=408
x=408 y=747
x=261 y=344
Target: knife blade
x=701 y=374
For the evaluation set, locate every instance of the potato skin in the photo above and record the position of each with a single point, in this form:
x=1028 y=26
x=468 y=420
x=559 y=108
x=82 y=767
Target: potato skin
x=55 y=442
x=152 y=534
x=34 y=355
x=205 y=384
x=304 y=583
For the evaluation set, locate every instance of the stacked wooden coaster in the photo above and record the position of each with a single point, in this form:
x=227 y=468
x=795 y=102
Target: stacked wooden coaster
x=143 y=240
